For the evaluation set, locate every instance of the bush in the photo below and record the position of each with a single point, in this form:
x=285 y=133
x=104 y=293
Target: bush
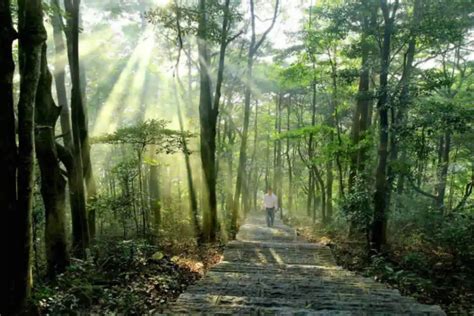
x=124 y=277
x=455 y=235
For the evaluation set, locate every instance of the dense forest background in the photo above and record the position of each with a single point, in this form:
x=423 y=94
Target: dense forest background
x=137 y=134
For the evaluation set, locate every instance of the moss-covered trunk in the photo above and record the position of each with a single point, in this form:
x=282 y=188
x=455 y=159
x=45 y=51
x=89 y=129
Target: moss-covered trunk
x=53 y=184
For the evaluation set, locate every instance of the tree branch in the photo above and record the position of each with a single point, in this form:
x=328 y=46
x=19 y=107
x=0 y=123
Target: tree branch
x=419 y=190
x=264 y=35
x=467 y=193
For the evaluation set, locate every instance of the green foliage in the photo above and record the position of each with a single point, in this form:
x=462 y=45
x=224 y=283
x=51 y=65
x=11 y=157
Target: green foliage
x=455 y=234
x=406 y=280
x=182 y=21
x=131 y=277
x=440 y=114
x=445 y=22
x=296 y=75
x=122 y=277
x=151 y=132
x=317 y=130
x=357 y=205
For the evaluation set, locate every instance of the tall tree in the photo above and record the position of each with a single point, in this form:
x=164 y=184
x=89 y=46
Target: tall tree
x=358 y=175
x=189 y=173
x=8 y=146
x=277 y=179
x=32 y=35
x=382 y=188
x=155 y=197
x=252 y=51
x=80 y=225
x=60 y=74
x=209 y=107
x=66 y=152
x=73 y=9
x=53 y=183
x=398 y=114
x=289 y=162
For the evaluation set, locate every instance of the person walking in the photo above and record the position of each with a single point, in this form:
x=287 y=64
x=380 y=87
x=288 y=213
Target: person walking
x=270 y=203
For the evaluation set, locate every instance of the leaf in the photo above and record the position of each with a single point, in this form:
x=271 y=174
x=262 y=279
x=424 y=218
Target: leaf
x=158 y=256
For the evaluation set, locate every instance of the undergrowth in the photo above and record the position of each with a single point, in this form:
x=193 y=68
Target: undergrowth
x=415 y=264
x=125 y=277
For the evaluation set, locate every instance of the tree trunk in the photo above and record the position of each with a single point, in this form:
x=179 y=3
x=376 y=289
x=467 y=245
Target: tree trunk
x=53 y=185
x=32 y=35
x=255 y=170
x=230 y=170
x=277 y=178
x=360 y=118
x=80 y=225
x=243 y=147
x=207 y=117
x=288 y=161
x=443 y=171
x=323 y=189
x=399 y=116
x=329 y=182
x=334 y=124
x=59 y=75
x=382 y=189
x=60 y=83
x=79 y=116
x=309 y=199
x=189 y=175
x=360 y=125
x=241 y=176
x=72 y=7
x=267 y=159
x=141 y=203
x=155 y=199
x=311 y=181
x=8 y=148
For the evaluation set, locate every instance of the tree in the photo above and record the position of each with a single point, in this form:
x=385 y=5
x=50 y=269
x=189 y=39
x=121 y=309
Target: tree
x=60 y=74
x=31 y=34
x=154 y=134
x=361 y=118
x=80 y=224
x=53 y=184
x=8 y=145
x=189 y=174
x=382 y=188
x=252 y=51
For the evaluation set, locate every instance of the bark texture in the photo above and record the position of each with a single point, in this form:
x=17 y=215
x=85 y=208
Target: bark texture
x=53 y=184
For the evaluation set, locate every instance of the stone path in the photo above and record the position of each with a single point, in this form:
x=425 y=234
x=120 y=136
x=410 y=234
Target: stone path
x=270 y=271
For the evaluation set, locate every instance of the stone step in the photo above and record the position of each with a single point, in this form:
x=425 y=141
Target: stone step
x=276 y=245
x=276 y=269
x=193 y=301
x=281 y=256
x=323 y=279
x=270 y=271
x=330 y=294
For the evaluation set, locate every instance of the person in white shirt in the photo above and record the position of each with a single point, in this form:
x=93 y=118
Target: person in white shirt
x=270 y=203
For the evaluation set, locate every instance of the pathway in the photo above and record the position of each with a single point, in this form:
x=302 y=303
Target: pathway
x=272 y=271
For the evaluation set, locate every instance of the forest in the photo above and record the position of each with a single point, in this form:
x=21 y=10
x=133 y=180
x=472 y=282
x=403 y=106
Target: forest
x=137 y=137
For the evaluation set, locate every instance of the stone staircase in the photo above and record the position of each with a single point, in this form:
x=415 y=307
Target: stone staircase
x=268 y=271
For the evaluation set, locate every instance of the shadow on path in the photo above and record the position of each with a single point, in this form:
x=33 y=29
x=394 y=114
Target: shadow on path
x=269 y=271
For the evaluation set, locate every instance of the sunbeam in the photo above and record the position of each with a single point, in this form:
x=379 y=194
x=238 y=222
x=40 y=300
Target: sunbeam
x=108 y=118
x=90 y=44
x=150 y=145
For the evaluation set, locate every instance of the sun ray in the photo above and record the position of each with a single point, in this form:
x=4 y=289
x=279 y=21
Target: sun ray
x=134 y=99
x=89 y=44
x=108 y=117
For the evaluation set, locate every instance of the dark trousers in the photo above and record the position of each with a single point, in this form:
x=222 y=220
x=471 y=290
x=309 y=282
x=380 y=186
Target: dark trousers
x=270 y=216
